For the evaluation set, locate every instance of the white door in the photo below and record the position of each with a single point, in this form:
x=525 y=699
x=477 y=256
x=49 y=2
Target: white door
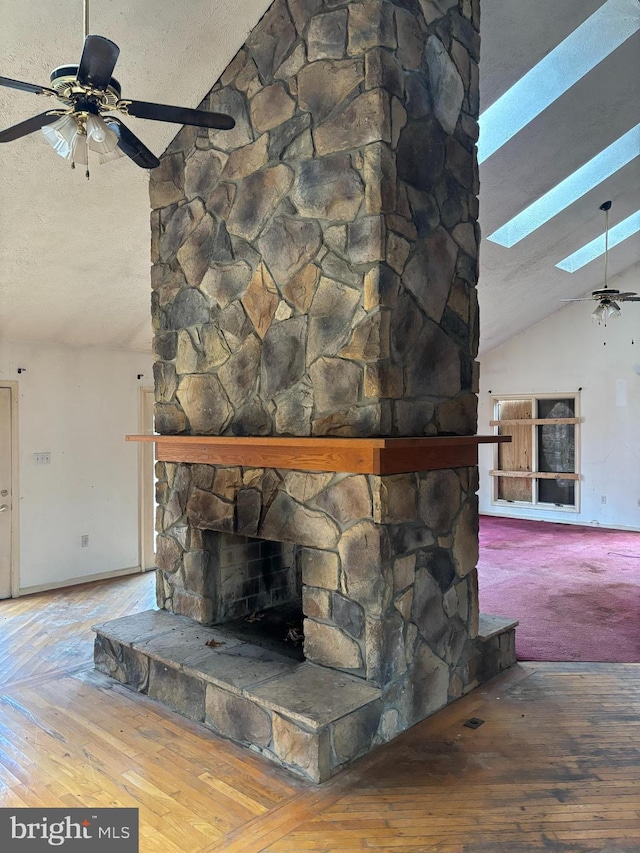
x=5 y=492
x=147 y=483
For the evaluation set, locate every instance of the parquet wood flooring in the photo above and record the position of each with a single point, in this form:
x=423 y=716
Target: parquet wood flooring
x=555 y=766
x=34 y=639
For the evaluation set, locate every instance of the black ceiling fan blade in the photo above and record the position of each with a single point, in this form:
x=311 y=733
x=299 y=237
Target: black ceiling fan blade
x=631 y=299
x=179 y=115
x=27 y=87
x=129 y=143
x=28 y=126
x=99 y=57
x=626 y=295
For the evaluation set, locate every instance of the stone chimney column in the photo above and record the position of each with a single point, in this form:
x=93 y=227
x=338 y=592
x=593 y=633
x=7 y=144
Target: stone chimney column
x=314 y=269
x=314 y=274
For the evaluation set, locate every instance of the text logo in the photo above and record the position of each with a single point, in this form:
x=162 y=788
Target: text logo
x=69 y=830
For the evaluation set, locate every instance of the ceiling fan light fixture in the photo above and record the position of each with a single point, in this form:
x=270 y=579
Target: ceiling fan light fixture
x=599 y=313
x=61 y=135
x=613 y=310
x=100 y=137
x=87 y=91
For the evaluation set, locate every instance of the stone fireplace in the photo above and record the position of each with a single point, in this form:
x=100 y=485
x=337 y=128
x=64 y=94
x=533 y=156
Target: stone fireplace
x=316 y=328
x=377 y=561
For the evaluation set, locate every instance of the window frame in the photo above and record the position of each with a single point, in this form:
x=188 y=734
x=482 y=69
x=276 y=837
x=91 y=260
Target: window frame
x=535 y=503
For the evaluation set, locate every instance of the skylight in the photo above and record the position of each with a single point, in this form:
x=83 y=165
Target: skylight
x=611 y=25
x=593 y=250
x=588 y=176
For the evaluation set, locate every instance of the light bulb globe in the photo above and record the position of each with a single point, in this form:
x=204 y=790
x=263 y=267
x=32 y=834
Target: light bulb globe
x=613 y=310
x=100 y=137
x=110 y=155
x=79 y=152
x=61 y=134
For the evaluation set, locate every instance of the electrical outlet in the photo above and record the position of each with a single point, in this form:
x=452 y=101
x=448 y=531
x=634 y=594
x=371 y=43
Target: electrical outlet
x=603 y=499
x=42 y=458
x=84 y=541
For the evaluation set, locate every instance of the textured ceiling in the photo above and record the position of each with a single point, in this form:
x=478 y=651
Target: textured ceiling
x=74 y=254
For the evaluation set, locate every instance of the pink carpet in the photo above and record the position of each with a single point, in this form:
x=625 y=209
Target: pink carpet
x=575 y=590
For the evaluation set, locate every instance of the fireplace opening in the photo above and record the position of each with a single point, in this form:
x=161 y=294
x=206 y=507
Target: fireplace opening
x=277 y=629
x=260 y=591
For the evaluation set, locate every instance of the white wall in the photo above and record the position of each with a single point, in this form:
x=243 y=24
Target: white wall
x=78 y=404
x=565 y=352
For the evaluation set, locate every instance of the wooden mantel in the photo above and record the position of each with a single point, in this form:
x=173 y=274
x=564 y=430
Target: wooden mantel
x=348 y=455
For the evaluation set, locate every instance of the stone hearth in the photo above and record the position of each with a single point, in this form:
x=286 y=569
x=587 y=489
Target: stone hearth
x=314 y=275
x=310 y=719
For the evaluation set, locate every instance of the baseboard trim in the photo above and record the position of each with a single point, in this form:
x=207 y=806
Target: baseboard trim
x=99 y=576
x=571 y=523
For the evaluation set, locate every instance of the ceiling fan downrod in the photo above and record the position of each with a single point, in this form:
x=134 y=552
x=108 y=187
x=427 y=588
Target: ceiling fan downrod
x=606 y=207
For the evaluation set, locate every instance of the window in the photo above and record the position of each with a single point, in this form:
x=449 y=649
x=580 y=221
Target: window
x=539 y=467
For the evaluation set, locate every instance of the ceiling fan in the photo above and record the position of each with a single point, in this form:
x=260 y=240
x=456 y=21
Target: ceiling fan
x=89 y=96
x=606 y=297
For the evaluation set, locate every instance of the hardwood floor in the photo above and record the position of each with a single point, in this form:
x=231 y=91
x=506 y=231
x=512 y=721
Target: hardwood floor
x=555 y=766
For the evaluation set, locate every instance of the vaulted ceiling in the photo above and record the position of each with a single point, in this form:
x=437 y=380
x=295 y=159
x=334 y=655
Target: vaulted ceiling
x=520 y=286
x=74 y=254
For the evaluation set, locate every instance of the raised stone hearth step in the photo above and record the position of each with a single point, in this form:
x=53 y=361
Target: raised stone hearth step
x=492 y=626
x=310 y=719
x=496 y=642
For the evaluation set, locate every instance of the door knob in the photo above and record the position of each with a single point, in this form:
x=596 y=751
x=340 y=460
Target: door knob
x=4 y=507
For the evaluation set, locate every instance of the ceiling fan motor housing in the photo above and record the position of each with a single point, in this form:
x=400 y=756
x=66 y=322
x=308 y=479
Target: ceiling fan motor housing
x=64 y=80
